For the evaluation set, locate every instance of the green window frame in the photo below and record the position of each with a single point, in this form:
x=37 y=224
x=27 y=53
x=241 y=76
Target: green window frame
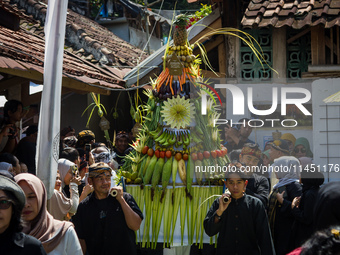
x=251 y=68
x=298 y=54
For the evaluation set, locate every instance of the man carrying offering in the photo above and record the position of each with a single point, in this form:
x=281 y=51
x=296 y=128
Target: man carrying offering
x=105 y=224
x=240 y=220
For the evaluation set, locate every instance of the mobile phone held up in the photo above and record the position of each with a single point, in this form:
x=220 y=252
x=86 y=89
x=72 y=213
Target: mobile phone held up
x=87 y=150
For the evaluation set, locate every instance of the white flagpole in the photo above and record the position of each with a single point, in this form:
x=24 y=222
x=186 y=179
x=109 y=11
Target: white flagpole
x=49 y=118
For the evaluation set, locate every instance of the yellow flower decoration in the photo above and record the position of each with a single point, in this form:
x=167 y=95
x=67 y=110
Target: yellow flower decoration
x=177 y=112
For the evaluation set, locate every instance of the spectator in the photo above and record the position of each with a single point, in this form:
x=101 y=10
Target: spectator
x=280 y=201
x=265 y=158
x=68 y=166
x=302 y=148
x=230 y=133
x=238 y=135
x=327 y=206
x=245 y=131
x=4 y=166
x=242 y=222
x=96 y=145
x=234 y=155
x=267 y=145
x=323 y=242
x=57 y=237
x=303 y=207
x=12 y=240
x=290 y=139
x=13 y=160
x=66 y=132
x=305 y=161
x=279 y=148
x=250 y=156
x=121 y=147
x=85 y=137
x=326 y=242
x=59 y=205
x=84 y=144
x=26 y=149
x=84 y=189
x=70 y=141
x=13 y=112
x=23 y=167
x=83 y=169
x=102 y=154
x=105 y=223
x=258 y=185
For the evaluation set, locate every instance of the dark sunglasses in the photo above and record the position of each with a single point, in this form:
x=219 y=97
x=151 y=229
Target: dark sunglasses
x=297 y=150
x=5 y=204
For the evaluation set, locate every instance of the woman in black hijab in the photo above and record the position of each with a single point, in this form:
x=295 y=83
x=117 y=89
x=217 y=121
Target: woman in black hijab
x=303 y=207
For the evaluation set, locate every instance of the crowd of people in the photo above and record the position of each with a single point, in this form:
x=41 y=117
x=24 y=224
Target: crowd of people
x=275 y=202
x=261 y=212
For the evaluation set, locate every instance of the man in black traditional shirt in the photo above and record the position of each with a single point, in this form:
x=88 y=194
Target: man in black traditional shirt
x=106 y=224
x=241 y=222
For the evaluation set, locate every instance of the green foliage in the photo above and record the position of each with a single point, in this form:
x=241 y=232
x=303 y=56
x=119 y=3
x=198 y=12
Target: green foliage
x=96 y=104
x=198 y=15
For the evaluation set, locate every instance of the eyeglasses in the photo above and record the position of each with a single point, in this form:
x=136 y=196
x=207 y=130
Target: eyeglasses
x=302 y=150
x=5 y=204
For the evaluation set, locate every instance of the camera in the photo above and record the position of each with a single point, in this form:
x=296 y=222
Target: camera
x=74 y=170
x=87 y=147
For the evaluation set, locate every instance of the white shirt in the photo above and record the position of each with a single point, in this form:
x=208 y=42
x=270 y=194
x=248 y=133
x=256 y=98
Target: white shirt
x=69 y=245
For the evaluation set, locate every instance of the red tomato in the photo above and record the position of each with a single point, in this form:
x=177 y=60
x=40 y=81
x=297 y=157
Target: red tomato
x=219 y=153
x=157 y=153
x=213 y=154
x=206 y=154
x=185 y=156
x=178 y=156
x=194 y=156
x=200 y=156
x=145 y=150
x=162 y=154
x=149 y=151
x=168 y=154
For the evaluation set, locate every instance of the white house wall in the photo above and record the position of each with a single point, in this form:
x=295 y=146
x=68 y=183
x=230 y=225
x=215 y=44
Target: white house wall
x=326 y=155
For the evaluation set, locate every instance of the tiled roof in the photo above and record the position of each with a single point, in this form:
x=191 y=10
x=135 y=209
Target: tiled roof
x=293 y=13
x=24 y=51
x=93 y=54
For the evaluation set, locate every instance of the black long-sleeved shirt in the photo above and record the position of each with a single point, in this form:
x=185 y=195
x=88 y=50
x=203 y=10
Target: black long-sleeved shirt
x=303 y=224
x=243 y=228
x=258 y=186
x=327 y=206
